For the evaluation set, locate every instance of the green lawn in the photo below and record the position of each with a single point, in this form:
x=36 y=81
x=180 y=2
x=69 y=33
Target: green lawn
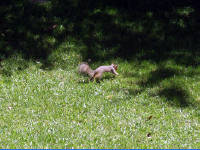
x=149 y=105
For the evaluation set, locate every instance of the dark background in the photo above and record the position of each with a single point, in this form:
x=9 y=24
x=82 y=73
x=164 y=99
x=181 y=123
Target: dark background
x=146 y=29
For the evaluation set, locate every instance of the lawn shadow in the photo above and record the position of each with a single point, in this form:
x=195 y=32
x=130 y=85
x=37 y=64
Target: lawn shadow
x=47 y=65
x=176 y=96
x=158 y=75
x=30 y=29
x=150 y=32
x=173 y=93
x=103 y=29
x=13 y=64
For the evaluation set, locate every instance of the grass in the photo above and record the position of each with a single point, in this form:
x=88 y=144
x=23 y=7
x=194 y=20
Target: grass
x=45 y=103
x=148 y=105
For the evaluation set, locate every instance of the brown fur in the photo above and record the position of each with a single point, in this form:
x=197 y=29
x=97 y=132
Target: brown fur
x=97 y=73
x=84 y=68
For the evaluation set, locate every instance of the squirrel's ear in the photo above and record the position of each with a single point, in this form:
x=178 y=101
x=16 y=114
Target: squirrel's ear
x=115 y=66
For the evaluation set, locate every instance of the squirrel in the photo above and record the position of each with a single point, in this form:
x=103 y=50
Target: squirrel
x=84 y=68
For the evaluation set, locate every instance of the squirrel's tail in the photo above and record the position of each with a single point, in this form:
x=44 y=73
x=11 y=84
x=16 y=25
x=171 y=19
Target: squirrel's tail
x=84 y=68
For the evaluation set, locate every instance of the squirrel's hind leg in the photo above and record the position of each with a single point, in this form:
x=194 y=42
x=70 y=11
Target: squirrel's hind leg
x=91 y=79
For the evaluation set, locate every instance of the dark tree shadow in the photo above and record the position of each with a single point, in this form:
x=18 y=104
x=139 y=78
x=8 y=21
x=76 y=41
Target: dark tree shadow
x=173 y=93
x=176 y=96
x=148 y=30
x=158 y=75
x=163 y=30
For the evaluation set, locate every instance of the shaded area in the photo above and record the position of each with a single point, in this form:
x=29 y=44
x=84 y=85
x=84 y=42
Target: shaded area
x=147 y=30
x=164 y=82
x=104 y=29
x=176 y=96
x=158 y=75
x=24 y=30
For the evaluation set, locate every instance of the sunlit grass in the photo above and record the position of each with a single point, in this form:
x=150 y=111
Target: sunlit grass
x=148 y=105
x=45 y=103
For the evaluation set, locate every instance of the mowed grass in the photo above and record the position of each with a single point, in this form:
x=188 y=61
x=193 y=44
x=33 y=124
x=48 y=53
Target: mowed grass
x=149 y=105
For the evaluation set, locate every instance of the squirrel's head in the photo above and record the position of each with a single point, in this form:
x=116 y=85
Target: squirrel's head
x=114 y=66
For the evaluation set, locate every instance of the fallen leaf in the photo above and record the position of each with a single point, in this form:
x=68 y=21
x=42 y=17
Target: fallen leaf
x=149 y=118
x=149 y=135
